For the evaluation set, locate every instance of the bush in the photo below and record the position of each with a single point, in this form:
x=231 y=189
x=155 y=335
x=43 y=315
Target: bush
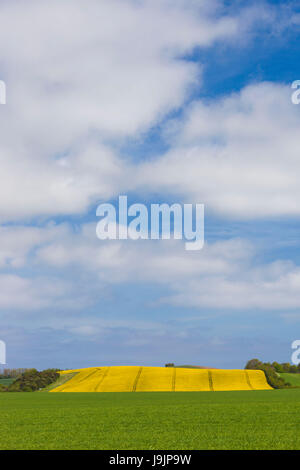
x=272 y=376
x=170 y=364
x=254 y=364
x=33 y=380
x=278 y=367
x=11 y=373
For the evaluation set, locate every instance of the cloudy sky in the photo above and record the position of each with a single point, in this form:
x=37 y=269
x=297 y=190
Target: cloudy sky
x=183 y=101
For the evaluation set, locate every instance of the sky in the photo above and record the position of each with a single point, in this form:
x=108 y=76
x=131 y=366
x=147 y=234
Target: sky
x=170 y=101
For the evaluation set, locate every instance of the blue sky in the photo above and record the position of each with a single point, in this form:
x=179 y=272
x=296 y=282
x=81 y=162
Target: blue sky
x=182 y=101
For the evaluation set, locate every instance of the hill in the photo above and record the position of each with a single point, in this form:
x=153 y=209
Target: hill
x=160 y=379
x=293 y=379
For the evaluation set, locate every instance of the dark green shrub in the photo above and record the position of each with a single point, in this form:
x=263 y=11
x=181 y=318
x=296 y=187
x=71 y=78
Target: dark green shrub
x=278 y=367
x=33 y=380
x=272 y=376
x=253 y=364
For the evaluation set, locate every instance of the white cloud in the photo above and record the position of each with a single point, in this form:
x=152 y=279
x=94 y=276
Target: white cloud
x=246 y=290
x=31 y=295
x=224 y=275
x=78 y=76
x=81 y=78
x=238 y=155
x=17 y=242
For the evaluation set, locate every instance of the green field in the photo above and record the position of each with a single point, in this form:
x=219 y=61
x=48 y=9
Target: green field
x=6 y=382
x=293 y=379
x=159 y=420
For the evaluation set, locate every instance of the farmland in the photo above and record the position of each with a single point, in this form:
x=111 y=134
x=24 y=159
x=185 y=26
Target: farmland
x=293 y=379
x=158 y=420
x=160 y=379
x=6 y=382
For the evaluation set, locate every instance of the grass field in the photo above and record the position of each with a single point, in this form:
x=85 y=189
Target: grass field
x=166 y=420
x=6 y=382
x=293 y=379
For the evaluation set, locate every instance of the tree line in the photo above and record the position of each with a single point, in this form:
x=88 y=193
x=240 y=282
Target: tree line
x=11 y=373
x=31 y=380
x=272 y=371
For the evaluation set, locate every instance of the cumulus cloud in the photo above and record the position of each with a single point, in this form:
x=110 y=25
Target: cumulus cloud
x=38 y=294
x=79 y=78
x=18 y=242
x=224 y=275
x=238 y=155
x=255 y=289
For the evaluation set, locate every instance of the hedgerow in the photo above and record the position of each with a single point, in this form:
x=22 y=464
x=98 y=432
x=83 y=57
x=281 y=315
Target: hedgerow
x=273 y=379
x=32 y=380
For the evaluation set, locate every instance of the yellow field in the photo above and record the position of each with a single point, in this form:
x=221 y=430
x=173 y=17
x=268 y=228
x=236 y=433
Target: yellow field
x=258 y=379
x=234 y=380
x=161 y=379
x=191 y=380
x=155 y=379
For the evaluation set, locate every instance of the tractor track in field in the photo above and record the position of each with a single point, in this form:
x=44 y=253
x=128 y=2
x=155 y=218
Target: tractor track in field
x=102 y=378
x=135 y=383
x=210 y=381
x=89 y=375
x=174 y=380
x=248 y=380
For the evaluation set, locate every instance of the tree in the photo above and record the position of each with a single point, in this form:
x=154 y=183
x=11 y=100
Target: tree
x=254 y=364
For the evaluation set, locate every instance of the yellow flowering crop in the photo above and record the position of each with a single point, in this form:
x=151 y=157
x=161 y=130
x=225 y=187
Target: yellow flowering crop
x=191 y=380
x=258 y=380
x=155 y=379
x=229 y=380
x=119 y=379
x=160 y=379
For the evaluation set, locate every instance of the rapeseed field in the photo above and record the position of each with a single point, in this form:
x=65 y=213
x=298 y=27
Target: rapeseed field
x=161 y=379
